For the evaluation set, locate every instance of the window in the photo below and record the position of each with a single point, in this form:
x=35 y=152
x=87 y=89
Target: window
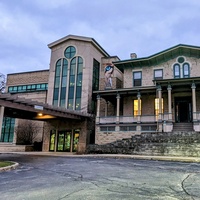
x=137 y=78
x=186 y=70
x=137 y=108
x=95 y=81
x=70 y=52
x=28 y=88
x=63 y=83
x=68 y=80
x=181 y=68
x=176 y=71
x=158 y=74
x=57 y=83
x=7 y=132
x=157 y=106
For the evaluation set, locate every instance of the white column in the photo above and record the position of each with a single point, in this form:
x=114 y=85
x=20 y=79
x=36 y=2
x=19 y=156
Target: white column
x=169 y=88
x=139 y=107
x=118 y=108
x=194 y=101
x=160 y=103
x=98 y=109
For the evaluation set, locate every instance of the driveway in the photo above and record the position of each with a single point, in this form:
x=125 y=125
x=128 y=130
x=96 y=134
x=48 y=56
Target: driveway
x=90 y=178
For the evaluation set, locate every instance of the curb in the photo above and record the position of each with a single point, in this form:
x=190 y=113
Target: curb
x=14 y=166
x=116 y=156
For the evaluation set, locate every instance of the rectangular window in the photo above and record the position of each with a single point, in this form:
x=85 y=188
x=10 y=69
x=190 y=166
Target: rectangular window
x=158 y=74
x=95 y=81
x=136 y=107
x=137 y=78
x=157 y=106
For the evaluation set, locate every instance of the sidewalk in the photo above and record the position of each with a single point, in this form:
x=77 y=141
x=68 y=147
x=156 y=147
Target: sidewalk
x=117 y=156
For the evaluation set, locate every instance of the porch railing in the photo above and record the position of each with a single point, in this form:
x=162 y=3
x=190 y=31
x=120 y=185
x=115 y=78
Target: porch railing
x=132 y=119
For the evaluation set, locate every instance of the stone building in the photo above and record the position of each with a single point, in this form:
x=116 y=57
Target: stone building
x=159 y=93
x=97 y=98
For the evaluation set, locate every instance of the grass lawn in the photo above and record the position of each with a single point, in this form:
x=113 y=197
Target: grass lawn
x=5 y=163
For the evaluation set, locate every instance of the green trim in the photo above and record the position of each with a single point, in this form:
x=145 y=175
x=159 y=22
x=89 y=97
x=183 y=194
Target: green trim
x=160 y=57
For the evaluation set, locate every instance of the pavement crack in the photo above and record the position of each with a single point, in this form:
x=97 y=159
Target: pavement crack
x=183 y=186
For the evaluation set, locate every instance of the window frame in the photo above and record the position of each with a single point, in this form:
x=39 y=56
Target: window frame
x=158 y=77
x=179 y=69
x=184 y=75
x=137 y=81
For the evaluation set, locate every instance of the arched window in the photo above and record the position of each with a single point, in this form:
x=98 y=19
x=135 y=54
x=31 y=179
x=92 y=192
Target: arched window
x=75 y=83
x=68 y=80
x=57 y=83
x=186 y=70
x=60 y=83
x=176 y=71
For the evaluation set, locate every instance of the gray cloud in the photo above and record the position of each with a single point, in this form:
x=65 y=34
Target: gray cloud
x=121 y=27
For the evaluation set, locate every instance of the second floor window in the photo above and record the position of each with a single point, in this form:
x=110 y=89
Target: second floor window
x=186 y=70
x=137 y=78
x=176 y=71
x=158 y=74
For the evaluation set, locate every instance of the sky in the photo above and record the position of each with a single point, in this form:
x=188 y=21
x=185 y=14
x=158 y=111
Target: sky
x=121 y=27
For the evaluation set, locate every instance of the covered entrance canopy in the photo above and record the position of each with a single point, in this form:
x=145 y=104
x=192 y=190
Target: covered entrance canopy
x=16 y=107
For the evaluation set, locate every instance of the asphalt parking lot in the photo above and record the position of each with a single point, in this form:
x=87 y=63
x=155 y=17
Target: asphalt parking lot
x=98 y=178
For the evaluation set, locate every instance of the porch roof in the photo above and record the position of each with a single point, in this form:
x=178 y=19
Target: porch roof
x=27 y=109
x=111 y=94
x=160 y=57
x=178 y=81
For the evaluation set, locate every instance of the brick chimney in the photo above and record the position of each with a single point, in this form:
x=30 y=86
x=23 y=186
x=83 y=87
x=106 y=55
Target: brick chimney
x=133 y=55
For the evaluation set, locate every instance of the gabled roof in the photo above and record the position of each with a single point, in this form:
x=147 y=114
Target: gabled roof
x=79 y=38
x=163 y=56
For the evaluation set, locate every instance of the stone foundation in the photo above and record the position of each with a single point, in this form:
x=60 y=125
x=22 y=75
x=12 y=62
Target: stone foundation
x=161 y=144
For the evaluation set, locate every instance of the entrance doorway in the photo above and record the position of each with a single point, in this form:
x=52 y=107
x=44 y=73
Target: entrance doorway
x=183 y=109
x=67 y=140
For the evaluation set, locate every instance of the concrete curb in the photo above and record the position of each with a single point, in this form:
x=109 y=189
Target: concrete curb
x=117 y=156
x=14 y=166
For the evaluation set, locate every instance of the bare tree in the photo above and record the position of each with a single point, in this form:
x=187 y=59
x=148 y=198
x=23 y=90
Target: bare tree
x=2 y=83
x=26 y=132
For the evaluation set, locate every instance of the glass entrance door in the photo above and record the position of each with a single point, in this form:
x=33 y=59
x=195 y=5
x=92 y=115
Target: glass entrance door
x=75 y=139
x=64 y=141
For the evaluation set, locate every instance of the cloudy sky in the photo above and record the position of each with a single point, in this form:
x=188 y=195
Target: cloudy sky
x=121 y=27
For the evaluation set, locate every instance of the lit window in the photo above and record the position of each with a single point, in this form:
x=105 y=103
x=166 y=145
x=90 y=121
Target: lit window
x=136 y=107
x=157 y=106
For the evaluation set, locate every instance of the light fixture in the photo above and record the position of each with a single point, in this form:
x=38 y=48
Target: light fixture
x=40 y=114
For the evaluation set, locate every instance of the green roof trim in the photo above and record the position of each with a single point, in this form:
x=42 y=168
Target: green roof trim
x=162 y=56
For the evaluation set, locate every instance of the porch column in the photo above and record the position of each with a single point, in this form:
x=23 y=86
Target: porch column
x=98 y=109
x=160 y=103
x=139 y=107
x=118 y=107
x=169 y=102
x=194 y=101
x=1 y=119
x=106 y=109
